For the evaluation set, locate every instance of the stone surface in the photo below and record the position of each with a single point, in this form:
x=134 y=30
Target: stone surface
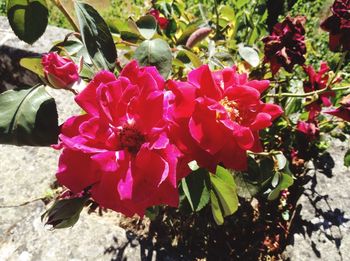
x=322 y=228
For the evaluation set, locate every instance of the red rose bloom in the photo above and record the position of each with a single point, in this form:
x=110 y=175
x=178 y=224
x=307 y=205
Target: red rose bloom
x=338 y=26
x=162 y=21
x=343 y=111
x=60 y=72
x=286 y=47
x=217 y=117
x=120 y=147
x=318 y=81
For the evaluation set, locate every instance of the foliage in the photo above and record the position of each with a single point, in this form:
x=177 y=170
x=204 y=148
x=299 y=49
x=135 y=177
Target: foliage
x=204 y=126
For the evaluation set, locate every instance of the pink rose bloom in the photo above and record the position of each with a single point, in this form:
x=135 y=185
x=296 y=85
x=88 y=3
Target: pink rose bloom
x=218 y=115
x=60 y=72
x=120 y=148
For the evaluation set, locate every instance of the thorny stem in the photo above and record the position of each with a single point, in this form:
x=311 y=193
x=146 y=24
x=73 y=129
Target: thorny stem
x=136 y=45
x=338 y=67
x=128 y=43
x=217 y=19
x=327 y=88
x=24 y=203
x=265 y=153
x=303 y=95
x=59 y=5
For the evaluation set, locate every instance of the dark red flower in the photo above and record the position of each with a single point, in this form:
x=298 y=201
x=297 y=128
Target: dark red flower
x=162 y=21
x=285 y=47
x=343 y=111
x=338 y=26
x=318 y=81
x=218 y=115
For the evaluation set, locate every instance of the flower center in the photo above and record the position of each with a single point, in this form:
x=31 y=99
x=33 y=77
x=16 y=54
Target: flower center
x=131 y=139
x=231 y=108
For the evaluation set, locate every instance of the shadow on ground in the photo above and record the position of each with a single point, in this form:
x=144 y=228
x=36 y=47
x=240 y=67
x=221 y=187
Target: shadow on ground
x=323 y=222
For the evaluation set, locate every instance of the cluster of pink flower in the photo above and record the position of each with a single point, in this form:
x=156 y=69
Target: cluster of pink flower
x=139 y=132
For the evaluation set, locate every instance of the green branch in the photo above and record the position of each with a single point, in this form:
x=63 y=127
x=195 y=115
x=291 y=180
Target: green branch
x=59 y=5
x=308 y=94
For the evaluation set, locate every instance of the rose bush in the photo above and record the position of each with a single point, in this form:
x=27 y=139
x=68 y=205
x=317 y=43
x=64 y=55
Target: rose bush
x=187 y=109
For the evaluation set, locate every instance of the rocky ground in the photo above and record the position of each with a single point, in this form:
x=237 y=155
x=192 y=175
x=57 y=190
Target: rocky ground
x=321 y=230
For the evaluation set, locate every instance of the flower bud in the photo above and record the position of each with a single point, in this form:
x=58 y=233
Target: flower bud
x=60 y=72
x=65 y=212
x=162 y=21
x=197 y=36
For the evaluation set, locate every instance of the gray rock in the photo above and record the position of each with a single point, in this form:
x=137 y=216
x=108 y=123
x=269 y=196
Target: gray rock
x=322 y=229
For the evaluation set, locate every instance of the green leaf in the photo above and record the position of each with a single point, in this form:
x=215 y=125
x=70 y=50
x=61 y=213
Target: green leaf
x=215 y=208
x=72 y=47
x=240 y=3
x=193 y=165
x=187 y=56
x=96 y=36
x=249 y=54
x=28 y=117
x=246 y=188
x=171 y=28
x=152 y=212
x=281 y=160
x=285 y=181
x=275 y=179
x=293 y=105
x=155 y=53
x=196 y=190
x=227 y=13
x=129 y=36
x=147 y=26
x=285 y=215
x=347 y=159
x=224 y=188
x=267 y=166
x=34 y=65
x=187 y=32
x=225 y=176
x=28 y=18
